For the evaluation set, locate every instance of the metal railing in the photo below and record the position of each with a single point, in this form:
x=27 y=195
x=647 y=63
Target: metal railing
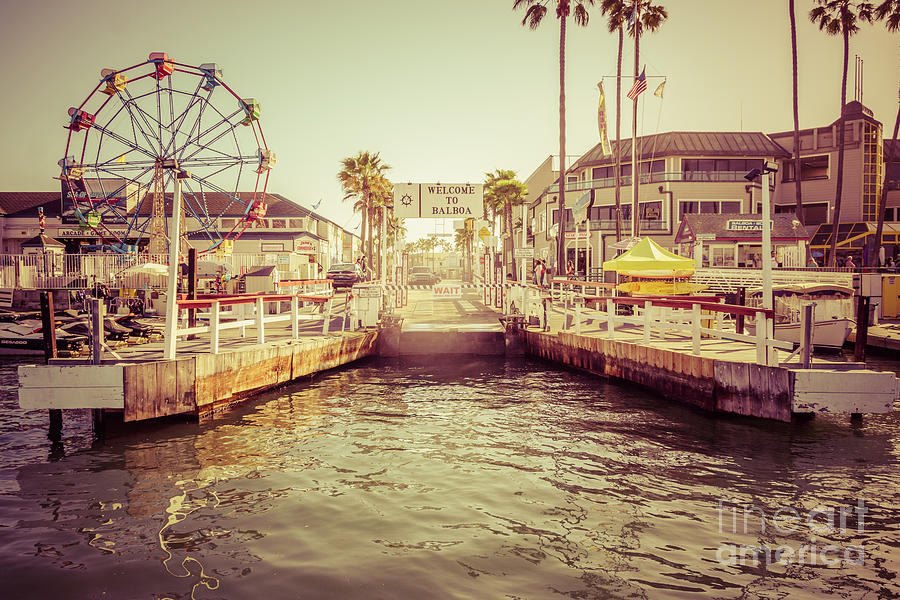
x=647 y=178
x=80 y=271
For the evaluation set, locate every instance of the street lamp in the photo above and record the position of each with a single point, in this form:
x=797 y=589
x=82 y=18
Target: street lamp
x=766 y=216
x=174 y=235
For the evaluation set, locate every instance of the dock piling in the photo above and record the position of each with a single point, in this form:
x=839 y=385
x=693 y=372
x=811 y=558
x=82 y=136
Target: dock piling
x=862 y=328
x=48 y=327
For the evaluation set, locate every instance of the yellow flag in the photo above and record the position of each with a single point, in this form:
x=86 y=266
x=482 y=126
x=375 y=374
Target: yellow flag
x=121 y=159
x=601 y=122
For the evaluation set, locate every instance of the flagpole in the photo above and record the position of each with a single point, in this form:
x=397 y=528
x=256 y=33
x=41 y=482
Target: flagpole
x=635 y=173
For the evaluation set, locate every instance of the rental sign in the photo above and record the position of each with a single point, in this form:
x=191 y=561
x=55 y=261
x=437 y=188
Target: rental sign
x=438 y=200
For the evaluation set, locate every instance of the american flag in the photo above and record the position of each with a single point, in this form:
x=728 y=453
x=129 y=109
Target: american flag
x=640 y=84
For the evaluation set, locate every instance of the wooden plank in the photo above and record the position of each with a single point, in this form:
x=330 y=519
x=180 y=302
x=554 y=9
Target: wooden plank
x=165 y=388
x=70 y=376
x=780 y=393
x=83 y=397
x=829 y=391
x=185 y=385
x=138 y=383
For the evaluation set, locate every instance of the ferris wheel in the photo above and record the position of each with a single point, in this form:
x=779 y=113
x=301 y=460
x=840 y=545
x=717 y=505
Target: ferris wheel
x=145 y=125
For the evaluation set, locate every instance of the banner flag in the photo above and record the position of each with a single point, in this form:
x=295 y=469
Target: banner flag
x=601 y=123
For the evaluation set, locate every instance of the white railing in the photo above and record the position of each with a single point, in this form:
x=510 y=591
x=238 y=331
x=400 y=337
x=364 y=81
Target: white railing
x=727 y=281
x=658 y=318
x=239 y=317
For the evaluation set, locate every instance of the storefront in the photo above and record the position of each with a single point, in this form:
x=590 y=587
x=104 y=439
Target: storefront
x=735 y=240
x=853 y=239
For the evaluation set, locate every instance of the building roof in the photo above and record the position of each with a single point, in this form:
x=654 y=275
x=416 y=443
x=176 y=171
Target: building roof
x=23 y=202
x=785 y=226
x=262 y=272
x=42 y=241
x=688 y=143
x=891 y=150
x=257 y=234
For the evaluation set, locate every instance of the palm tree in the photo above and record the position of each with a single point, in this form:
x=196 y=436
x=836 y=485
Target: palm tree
x=797 y=186
x=503 y=191
x=889 y=12
x=535 y=10
x=361 y=176
x=840 y=17
x=642 y=15
x=463 y=243
x=616 y=17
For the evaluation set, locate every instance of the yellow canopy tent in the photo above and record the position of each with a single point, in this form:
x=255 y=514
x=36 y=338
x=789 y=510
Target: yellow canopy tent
x=649 y=260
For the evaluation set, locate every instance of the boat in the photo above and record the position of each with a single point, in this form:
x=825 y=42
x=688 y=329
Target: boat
x=832 y=315
x=24 y=338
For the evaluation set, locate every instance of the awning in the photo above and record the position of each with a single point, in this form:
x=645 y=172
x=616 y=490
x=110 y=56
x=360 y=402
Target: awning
x=853 y=236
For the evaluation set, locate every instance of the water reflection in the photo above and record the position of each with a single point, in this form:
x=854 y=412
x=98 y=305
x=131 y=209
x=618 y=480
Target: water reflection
x=468 y=479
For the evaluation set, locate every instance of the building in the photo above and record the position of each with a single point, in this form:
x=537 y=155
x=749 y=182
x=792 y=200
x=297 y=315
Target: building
x=680 y=173
x=703 y=173
x=285 y=229
x=866 y=160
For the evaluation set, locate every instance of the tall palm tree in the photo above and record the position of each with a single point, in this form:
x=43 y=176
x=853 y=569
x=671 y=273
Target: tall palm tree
x=616 y=18
x=643 y=15
x=797 y=185
x=503 y=190
x=535 y=10
x=889 y=12
x=840 y=17
x=463 y=242
x=360 y=177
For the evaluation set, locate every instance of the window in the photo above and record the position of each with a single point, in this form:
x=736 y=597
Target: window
x=278 y=223
x=228 y=223
x=569 y=217
x=651 y=211
x=701 y=169
x=709 y=207
x=261 y=224
x=296 y=223
x=730 y=207
x=811 y=167
x=272 y=246
x=722 y=256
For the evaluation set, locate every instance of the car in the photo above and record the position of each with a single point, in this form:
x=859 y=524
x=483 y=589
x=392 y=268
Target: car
x=422 y=276
x=344 y=275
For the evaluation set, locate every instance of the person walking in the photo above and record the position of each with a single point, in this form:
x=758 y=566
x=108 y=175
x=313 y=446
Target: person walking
x=850 y=264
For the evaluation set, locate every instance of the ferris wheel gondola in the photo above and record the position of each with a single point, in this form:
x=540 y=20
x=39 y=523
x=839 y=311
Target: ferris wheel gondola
x=144 y=125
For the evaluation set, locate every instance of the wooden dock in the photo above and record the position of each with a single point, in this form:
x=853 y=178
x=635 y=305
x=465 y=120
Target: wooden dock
x=689 y=365
x=718 y=375
x=143 y=385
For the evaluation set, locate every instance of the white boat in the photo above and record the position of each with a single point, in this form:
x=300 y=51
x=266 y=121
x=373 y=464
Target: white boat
x=832 y=318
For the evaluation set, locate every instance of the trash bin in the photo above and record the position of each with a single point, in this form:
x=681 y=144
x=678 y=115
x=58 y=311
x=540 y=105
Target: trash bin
x=367 y=300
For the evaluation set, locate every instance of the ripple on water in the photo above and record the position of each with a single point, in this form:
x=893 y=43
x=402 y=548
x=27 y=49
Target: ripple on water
x=463 y=479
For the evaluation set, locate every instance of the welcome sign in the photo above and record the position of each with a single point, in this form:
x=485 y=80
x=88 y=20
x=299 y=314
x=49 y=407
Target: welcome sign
x=438 y=200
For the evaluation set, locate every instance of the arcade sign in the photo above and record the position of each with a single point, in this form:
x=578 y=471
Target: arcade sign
x=438 y=200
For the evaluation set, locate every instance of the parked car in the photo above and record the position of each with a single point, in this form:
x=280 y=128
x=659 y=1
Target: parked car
x=344 y=275
x=422 y=276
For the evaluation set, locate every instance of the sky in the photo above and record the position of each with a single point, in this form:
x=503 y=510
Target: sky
x=444 y=91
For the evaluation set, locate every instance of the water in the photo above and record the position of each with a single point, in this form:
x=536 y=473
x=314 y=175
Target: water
x=447 y=479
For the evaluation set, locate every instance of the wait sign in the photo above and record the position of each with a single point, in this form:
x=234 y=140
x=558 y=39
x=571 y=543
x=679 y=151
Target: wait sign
x=438 y=200
x=442 y=291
